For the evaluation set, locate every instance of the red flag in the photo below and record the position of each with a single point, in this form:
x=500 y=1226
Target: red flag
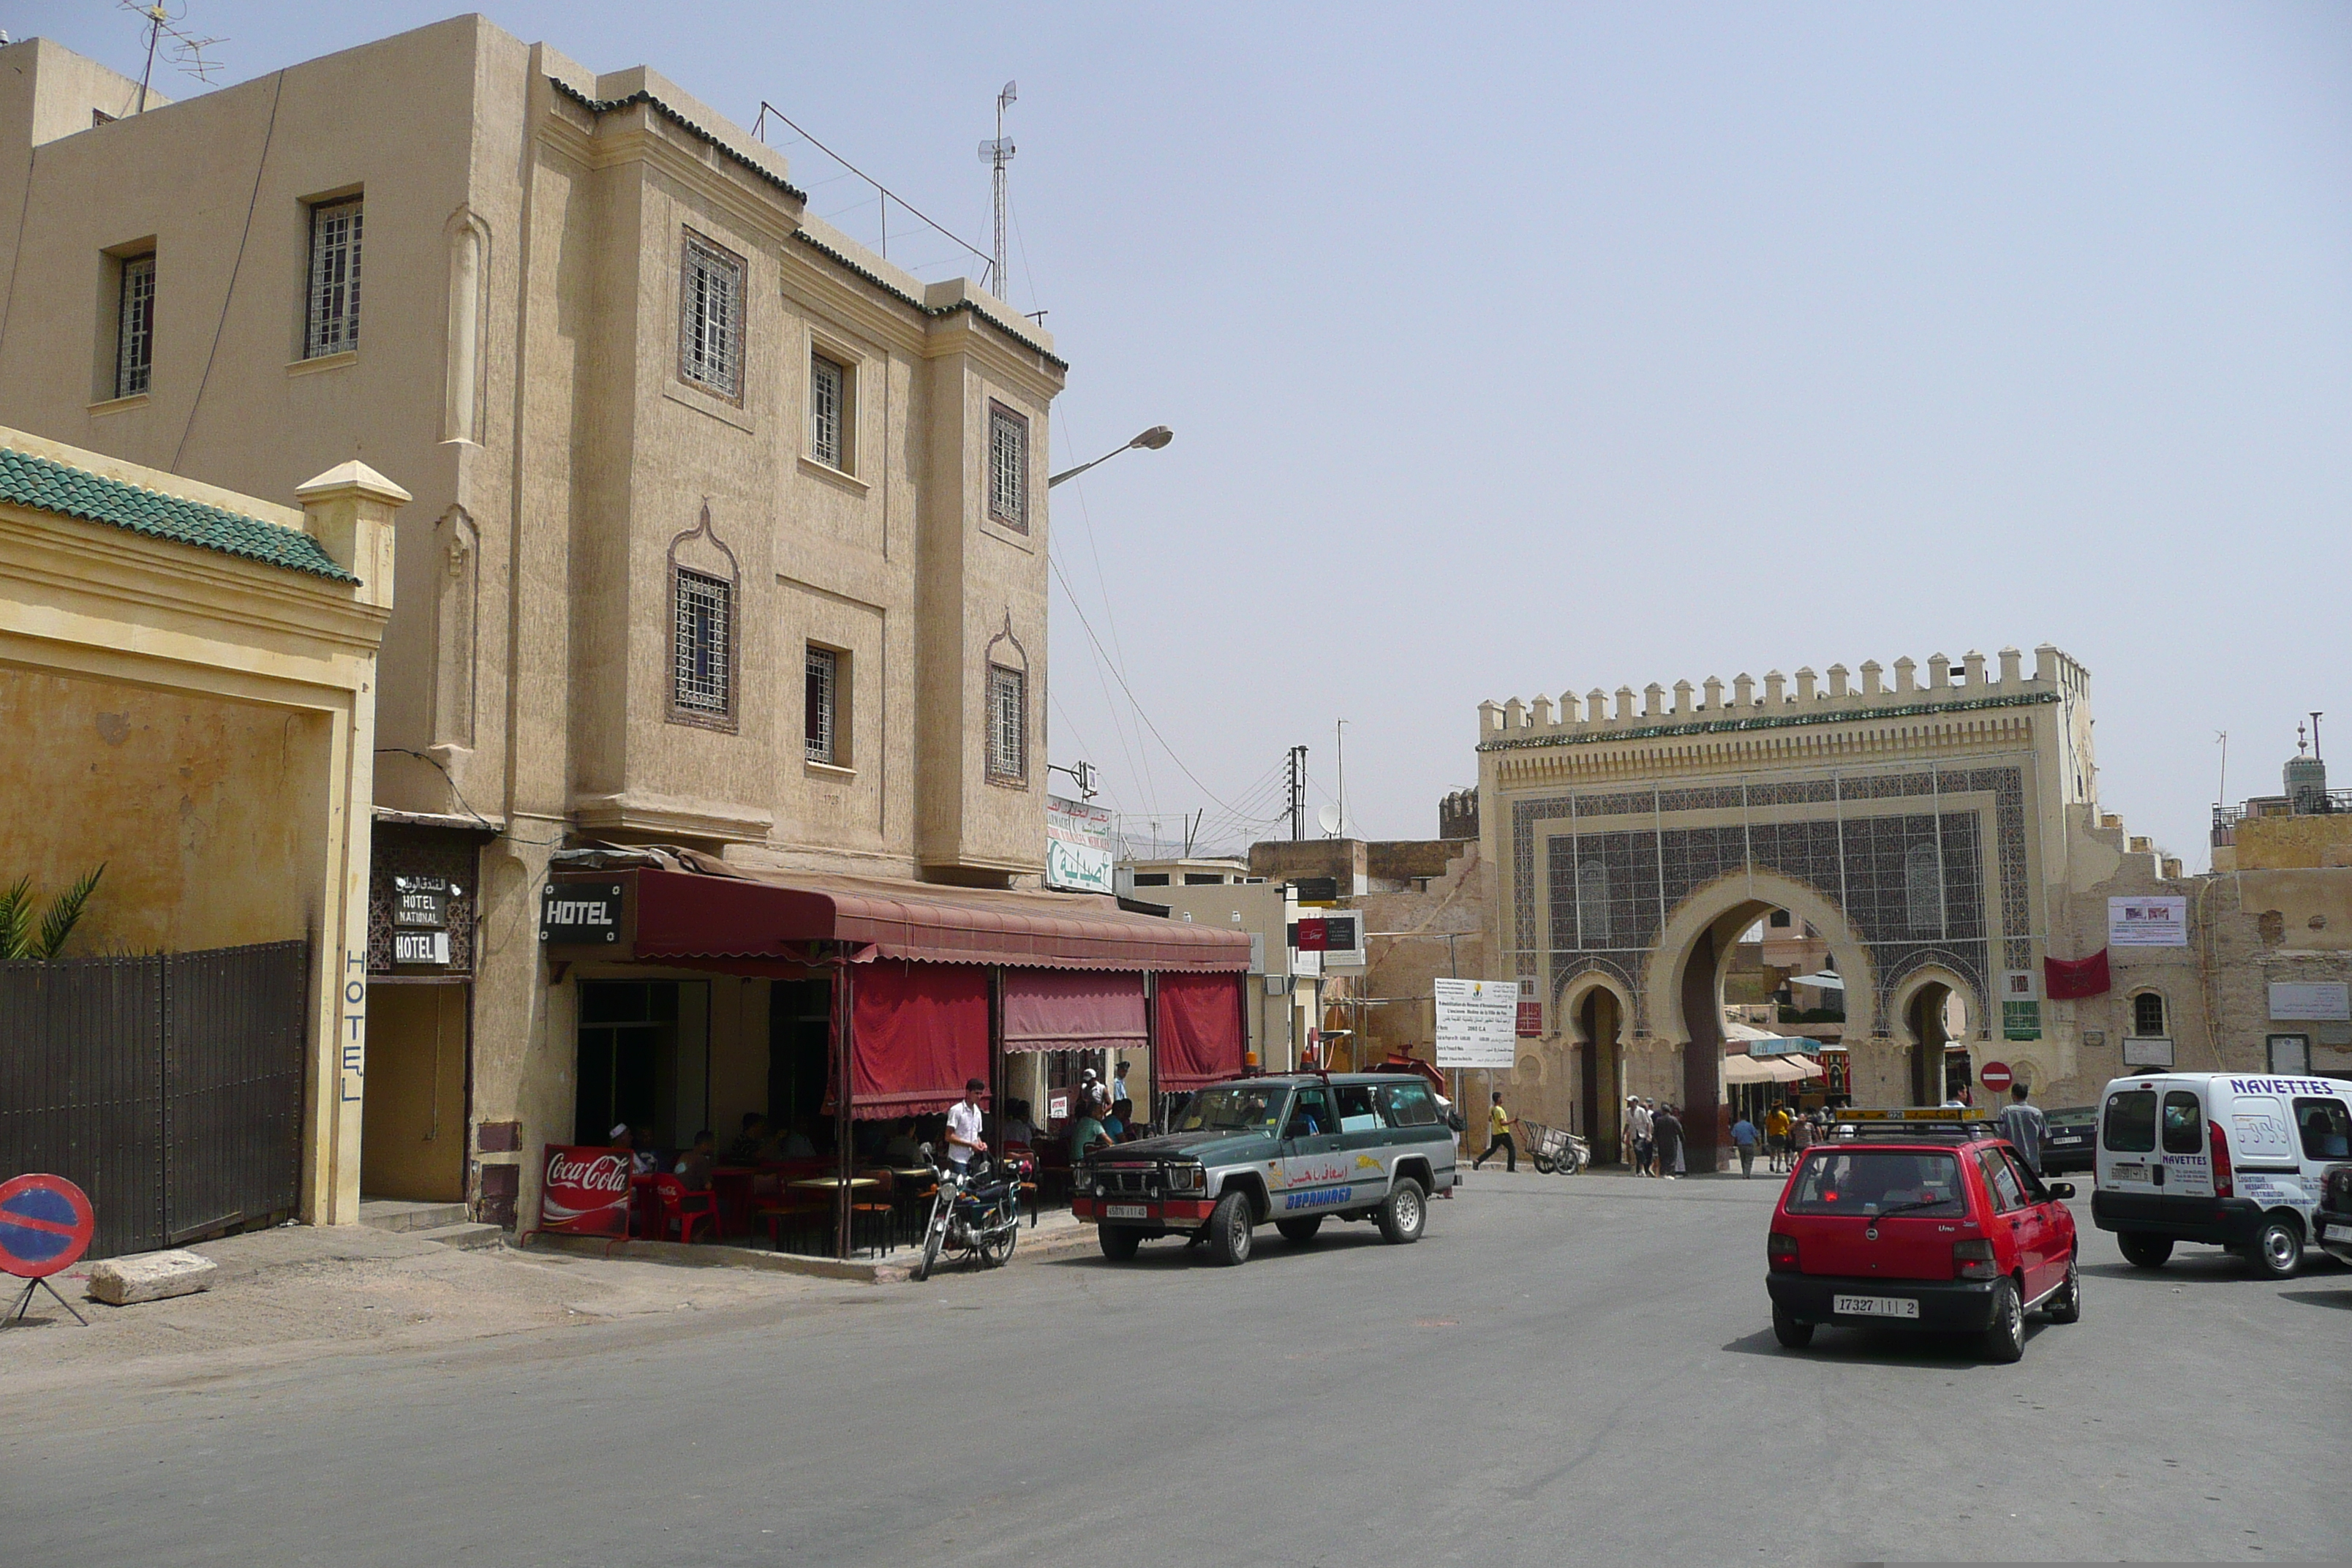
x=2066 y=979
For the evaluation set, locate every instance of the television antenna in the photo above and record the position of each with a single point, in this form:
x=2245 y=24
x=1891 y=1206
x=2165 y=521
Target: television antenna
x=187 y=49
x=996 y=154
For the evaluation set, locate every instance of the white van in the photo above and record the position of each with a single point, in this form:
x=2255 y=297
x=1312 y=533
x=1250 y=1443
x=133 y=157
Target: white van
x=2230 y=1159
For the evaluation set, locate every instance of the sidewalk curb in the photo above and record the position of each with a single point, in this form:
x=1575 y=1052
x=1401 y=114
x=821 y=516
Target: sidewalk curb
x=893 y=1271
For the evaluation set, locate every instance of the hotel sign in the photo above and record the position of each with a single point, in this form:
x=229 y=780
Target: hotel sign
x=581 y=915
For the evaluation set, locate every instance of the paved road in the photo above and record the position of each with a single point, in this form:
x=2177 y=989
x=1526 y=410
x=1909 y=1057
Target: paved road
x=1564 y=1370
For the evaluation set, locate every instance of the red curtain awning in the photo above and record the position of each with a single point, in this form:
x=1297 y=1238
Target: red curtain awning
x=1199 y=1034
x=1073 y=1010
x=917 y=1032
x=757 y=919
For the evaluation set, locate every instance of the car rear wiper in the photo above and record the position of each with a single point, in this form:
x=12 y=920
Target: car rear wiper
x=1906 y=1208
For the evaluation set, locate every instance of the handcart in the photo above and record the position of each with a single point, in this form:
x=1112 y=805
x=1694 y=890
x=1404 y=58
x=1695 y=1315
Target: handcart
x=1555 y=1149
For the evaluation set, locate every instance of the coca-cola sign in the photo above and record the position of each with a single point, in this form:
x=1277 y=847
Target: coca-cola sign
x=586 y=1191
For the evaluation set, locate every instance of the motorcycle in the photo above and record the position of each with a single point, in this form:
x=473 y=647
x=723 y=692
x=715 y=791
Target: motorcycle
x=975 y=1213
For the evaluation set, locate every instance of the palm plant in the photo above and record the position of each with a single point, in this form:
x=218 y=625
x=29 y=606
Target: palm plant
x=21 y=938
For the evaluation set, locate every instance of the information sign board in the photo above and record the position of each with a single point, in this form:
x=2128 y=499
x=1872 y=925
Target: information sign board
x=2147 y=922
x=1477 y=1024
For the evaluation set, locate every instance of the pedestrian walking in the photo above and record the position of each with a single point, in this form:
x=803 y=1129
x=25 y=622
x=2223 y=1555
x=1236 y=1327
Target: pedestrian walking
x=1667 y=1141
x=1498 y=1136
x=1637 y=1135
x=1744 y=1138
x=1777 y=1127
x=2021 y=1124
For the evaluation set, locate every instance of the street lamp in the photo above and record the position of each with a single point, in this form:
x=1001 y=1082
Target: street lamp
x=1151 y=440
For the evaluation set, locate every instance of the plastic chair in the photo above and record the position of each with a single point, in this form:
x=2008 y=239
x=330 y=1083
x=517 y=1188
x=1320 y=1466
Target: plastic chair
x=684 y=1209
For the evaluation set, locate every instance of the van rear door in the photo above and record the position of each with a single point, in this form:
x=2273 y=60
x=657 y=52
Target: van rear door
x=2127 y=1158
x=2187 y=1172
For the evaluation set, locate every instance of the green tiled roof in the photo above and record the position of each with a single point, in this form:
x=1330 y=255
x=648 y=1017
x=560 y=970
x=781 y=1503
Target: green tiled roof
x=37 y=482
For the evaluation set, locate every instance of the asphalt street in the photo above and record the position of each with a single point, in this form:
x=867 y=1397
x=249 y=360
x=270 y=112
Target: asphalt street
x=1563 y=1370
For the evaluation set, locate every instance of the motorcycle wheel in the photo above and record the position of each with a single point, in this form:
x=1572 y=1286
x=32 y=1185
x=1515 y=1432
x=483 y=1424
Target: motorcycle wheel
x=997 y=1250
x=932 y=1234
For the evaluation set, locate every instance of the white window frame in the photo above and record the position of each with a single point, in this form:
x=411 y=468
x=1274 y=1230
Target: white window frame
x=702 y=669
x=828 y=411
x=710 y=299
x=1008 y=724
x=134 y=336
x=821 y=727
x=331 y=315
x=1008 y=466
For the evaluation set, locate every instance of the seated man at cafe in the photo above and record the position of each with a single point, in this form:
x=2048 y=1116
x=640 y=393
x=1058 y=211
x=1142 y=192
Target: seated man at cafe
x=792 y=1143
x=1016 y=1131
x=693 y=1167
x=902 y=1153
x=747 y=1144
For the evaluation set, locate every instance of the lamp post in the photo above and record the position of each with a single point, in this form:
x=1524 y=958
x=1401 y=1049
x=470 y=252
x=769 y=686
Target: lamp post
x=1151 y=440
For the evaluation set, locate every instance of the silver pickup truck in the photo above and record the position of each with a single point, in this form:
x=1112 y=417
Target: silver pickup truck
x=1294 y=1150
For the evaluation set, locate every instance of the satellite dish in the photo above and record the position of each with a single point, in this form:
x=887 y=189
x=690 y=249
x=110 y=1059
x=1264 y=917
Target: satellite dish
x=1329 y=817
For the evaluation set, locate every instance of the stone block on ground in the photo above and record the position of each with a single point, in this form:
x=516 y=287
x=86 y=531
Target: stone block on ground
x=149 y=1277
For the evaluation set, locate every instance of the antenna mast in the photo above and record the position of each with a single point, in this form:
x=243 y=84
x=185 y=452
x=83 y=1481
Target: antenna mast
x=996 y=154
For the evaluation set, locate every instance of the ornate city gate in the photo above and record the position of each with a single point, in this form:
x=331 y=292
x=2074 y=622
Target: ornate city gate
x=1910 y=825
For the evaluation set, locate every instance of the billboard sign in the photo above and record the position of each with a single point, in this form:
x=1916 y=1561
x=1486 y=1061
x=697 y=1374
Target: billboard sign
x=2147 y=922
x=1477 y=1024
x=586 y=1192
x=1078 y=852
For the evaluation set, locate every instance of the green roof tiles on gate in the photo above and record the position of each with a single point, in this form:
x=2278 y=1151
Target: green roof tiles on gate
x=46 y=485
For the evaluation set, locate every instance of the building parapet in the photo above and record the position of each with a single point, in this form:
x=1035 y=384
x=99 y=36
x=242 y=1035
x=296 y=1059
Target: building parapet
x=1515 y=724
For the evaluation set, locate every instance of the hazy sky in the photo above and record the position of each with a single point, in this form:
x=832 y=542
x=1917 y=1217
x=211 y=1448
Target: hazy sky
x=1517 y=350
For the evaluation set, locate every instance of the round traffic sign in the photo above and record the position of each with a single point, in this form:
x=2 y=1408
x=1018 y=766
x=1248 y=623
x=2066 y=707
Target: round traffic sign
x=1997 y=1076
x=44 y=1225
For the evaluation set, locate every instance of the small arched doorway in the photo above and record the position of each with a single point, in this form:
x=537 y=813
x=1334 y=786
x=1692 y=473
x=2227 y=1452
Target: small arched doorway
x=1600 y=1019
x=1936 y=1017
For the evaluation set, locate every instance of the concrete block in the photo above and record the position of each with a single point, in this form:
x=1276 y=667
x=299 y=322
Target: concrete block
x=150 y=1277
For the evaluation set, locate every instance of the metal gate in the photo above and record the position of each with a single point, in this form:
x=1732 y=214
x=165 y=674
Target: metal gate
x=169 y=1087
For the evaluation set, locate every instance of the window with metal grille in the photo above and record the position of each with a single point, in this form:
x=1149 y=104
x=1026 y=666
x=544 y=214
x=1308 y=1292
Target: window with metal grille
x=135 y=344
x=828 y=382
x=1008 y=724
x=823 y=695
x=2147 y=1016
x=1008 y=466
x=332 y=322
x=702 y=683
x=710 y=325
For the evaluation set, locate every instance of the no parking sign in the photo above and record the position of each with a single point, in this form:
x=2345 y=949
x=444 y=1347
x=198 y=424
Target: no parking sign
x=44 y=1225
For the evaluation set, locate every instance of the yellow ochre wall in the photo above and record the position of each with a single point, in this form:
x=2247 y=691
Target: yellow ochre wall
x=204 y=810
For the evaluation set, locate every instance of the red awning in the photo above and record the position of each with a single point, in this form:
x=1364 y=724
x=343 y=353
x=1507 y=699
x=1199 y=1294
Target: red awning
x=920 y=1033
x=1067 y=1010
x=1200 y=1037
x=714 y=912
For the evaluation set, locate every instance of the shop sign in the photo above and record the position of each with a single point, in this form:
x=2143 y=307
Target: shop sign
x=580 y=914
x=1477 y=1024
x=1078 y=854
x=421 y=903
x=586 y=1191
x=420 y=947
x=2147 y=922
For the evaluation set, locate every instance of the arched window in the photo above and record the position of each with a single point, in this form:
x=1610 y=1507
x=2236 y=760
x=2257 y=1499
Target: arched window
x=1593 y=903
x=2147 y=1016
x=1923 y=899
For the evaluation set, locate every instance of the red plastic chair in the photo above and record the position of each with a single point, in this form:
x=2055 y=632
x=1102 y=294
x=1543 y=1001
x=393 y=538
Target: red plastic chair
x=682 y=1209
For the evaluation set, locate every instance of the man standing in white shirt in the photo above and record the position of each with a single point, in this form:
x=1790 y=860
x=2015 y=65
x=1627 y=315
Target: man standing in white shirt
x=963 y=1125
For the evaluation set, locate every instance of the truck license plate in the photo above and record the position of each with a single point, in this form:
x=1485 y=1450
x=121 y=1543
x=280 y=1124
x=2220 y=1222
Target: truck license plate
x=1126 y=1211
x=1874 y=1306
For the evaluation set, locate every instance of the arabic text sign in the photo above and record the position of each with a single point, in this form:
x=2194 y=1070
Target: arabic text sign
x=2147 y=922
x=2316 y=1000
x=1077 y=845
x=1477 y=1023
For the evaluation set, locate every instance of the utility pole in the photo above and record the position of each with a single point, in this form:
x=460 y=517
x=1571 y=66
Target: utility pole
x=1297 y=794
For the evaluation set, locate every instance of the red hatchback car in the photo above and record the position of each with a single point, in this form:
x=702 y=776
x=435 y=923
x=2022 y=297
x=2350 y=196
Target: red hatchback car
x=1937 y=1226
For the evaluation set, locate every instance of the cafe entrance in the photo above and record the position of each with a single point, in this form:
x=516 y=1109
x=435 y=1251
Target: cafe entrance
x=644 y=1060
